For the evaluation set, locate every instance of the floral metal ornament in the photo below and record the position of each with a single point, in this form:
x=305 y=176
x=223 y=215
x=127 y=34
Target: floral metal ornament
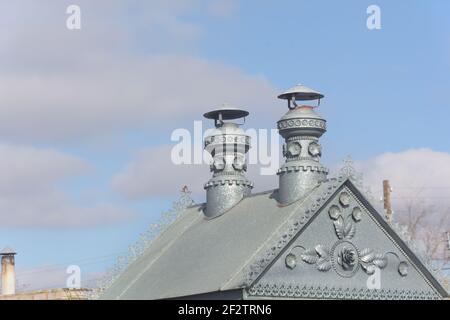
x=357 y=214
x=315 y=149
x=347 y=258
x=320 y=256
x=344 y=256
x=293 y=149
x=291 y=261
x=403 y=268
x=334 y=212
x=344 y=199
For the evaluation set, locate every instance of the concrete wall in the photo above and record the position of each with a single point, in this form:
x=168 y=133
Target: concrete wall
x=8 y=275
x=52 y=294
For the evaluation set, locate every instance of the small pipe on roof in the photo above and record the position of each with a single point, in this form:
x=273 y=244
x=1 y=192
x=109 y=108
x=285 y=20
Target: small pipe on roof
x=8 y=271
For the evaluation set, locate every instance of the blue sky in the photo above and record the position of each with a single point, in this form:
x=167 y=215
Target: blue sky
x=101 y=102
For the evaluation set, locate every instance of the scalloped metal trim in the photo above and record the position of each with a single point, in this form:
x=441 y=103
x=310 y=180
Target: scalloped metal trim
x=229 y=182
x=288 y=169
x=300 y=138
x=227 y=138
x=286 y=290
x=302 y=123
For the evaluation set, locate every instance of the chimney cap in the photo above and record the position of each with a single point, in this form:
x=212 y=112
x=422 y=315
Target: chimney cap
x=301 y=92
x=226 y=112
x=8 y=251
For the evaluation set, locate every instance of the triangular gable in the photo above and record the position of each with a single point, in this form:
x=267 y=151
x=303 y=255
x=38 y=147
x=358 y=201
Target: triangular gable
x=342 y=248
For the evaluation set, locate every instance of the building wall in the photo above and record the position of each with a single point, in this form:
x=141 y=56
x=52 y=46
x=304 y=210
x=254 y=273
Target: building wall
x=52 y=294
x=8 y=275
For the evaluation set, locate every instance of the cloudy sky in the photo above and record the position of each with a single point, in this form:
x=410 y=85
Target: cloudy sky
x=86 y=116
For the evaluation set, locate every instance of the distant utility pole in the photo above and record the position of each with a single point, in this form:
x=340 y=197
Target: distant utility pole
x=448 y=240
x=387 y=200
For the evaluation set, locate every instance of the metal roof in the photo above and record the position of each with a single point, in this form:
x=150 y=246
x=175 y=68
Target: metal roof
x=195 y=256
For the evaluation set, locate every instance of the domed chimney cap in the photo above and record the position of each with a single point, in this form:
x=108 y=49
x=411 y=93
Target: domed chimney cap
x=8 y=251
x=226 y=112
x=301 y=93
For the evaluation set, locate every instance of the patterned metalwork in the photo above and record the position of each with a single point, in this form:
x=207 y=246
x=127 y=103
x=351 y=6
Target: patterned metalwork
x=301 y=127
x=227 y=145
x=287 y=290
x=403 y=233
x=304 y=212
x=344 y=256
x=144 y=242
x=348 y=171
x=299 y=123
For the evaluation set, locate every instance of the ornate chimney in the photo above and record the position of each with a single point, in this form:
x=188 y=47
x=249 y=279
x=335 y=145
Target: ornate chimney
x=8 y=271
x=301 y=127
x=227 y=145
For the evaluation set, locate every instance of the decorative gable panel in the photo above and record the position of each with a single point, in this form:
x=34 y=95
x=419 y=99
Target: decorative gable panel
x=347 y=251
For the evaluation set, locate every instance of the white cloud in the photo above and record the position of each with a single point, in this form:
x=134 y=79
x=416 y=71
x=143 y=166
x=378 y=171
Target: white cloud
x=222 y=8
x=24 y=170
x=111 y=75
x=420 y=179
x=413 y=174
x=114 y=74
x=418 y=174
x=159 y=89
x=153 y=174
x=29 y=194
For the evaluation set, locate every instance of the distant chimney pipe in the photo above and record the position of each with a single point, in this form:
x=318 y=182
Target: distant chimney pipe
x=227 y=145
x=8 y=271
x=301 y=127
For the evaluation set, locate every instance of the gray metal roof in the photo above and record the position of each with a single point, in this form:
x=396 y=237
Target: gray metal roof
x=195 y=255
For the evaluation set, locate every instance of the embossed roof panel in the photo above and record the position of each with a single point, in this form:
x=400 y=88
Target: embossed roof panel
x=346 y=252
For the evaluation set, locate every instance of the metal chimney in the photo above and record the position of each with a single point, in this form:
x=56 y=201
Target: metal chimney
x=8 y=271
x=227 y=145
x=301 y=127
